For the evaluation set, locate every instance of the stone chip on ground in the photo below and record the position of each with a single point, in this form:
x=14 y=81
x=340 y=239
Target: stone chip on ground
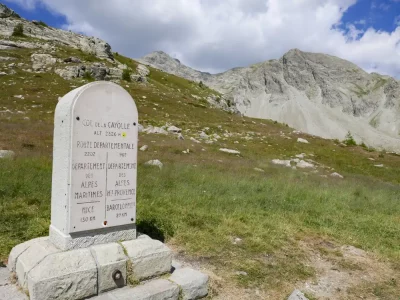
x=154 y=162
x=229 y=151
x=297 y=295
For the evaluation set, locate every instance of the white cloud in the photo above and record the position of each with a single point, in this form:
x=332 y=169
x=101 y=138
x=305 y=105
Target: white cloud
x=216 y=35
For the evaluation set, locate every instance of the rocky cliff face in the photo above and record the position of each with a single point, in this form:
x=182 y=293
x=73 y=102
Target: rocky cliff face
x=315 y=93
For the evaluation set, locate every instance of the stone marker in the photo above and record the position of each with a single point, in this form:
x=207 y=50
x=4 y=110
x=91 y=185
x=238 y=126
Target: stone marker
x=93 y=197
x=92 y=248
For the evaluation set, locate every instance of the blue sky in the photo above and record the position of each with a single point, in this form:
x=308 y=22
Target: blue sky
x=214 y=36
x=379 y=14
x=40 y=13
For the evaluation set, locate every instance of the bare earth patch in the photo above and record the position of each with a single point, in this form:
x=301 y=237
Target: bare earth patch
x=341 y=272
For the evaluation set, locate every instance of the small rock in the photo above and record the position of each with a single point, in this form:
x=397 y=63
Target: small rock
x=186 y=151
x=297 y=295
x=259 y=170
x=140 y=128
x=302 y=155
x=370 y=158
x=6 y=154
x=180 y=136
x=285 y=163
x=229 y=151
x=72 y=60
x=155 y=130
x=144 y=148
x=303 y=164
x=154 y=162
x=300 y=140
x=237 y=241
x=335 y=174
x=174 y=129
x=194 y=140
x=241 y=273
x=3 y=73
x=203 y=135
x=379 y=166
x=19 y=96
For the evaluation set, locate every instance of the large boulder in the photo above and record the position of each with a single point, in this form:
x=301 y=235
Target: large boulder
x=71 y=72
x=98 y=71
x=41 y=62
x=143 y=70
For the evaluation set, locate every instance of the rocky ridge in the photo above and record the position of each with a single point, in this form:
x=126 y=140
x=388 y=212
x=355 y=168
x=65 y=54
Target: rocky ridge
x=316 y=93
x=9 y=19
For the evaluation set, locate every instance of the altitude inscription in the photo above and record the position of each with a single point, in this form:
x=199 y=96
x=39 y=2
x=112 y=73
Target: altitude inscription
x=103 y=173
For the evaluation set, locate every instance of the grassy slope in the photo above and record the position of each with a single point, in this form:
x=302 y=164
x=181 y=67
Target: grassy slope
x=201 y=201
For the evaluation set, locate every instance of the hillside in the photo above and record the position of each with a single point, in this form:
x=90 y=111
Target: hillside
x=276 y=215
x=315 y=93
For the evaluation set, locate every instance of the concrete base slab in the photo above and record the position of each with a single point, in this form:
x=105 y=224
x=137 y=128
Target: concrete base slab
x=94 y=237
x=194 y=284
x=99 y=272
x=148 y=257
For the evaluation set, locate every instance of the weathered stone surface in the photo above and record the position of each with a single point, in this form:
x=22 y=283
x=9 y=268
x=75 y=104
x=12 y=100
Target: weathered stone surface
x=110 y=258
x=154 y=162
x=72 y=60
x=64 y=276
x=229 y=151
x=155 y=130
x=6 y=12
x=143 y=70
x=6 y=154
x=149 y=257
x=42 y=61
x=303 y=164
x=174 y=129
x=71 y=72
x=337 y=175
x=285 y=163
x=11 y=292
x=4 y=276
x=31 y=257
x=18 y=250
x=300 y=140
x=194 y=284
x=297 y=295
x=86 y=239
x=159 y=289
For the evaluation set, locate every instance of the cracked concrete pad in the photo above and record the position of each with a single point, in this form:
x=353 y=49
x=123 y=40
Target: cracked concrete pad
x=194 y=284
x=149 y=257
x=159 y=289
x=110 y=259
x=64 y=276
x=18 y=250
x=31 y=257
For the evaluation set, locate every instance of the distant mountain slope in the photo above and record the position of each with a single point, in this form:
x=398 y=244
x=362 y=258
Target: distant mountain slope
x=36 y=29
x=315 y=93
